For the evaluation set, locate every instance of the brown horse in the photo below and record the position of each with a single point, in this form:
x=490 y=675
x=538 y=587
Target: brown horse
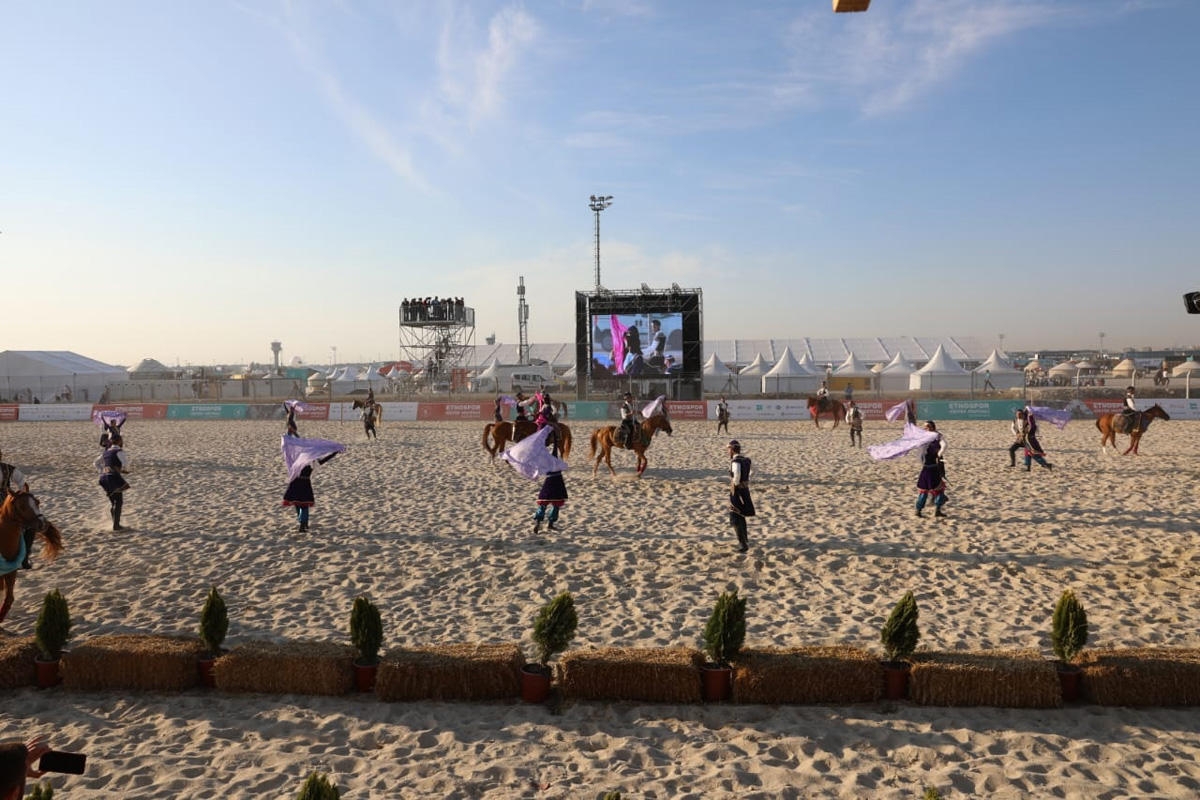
x=833 y=407
x=377 y=407
x=19 y=511
x=497 y=435
x=604 y=440
x=1112 y=424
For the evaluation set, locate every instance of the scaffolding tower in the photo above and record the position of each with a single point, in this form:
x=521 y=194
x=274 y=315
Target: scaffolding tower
x=438 y=337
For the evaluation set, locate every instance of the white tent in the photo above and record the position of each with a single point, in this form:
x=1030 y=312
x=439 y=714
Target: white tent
x=1186 y=368
x=853 y=368
x=1064 y=370
x=488 y=378
x=808 y=365
x=941 y=373
x=893 y=377
x=1000 y=372
x=26 y=374
x=756 y=368
x=1124 y=368
x=789 y=376
x=717 y=377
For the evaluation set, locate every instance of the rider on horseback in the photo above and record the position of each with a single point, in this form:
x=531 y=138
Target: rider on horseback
x=823 y=397
x=629 y=421
x=12 y=480
x=1130 y=413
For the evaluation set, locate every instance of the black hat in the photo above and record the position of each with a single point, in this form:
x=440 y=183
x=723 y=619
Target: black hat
x=735 y=445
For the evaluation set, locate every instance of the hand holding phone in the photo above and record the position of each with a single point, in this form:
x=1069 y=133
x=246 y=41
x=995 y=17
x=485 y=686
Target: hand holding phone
x=58 y=761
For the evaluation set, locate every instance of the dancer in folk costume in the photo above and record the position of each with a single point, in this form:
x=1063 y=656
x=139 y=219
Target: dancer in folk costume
x=111 y=422
x=113 y=463
x=741 y=504
x=722 y=415
x=1034 y=415
x=531 y=460
x=299 y=456
x=855 y=421
x=931 y=447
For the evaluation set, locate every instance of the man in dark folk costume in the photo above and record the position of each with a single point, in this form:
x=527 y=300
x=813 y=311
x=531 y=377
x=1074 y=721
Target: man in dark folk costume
x=629 y=421
x=113 y=463
x=741 y=504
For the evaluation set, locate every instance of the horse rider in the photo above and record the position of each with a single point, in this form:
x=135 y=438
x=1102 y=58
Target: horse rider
x=522 y=403
x=630 y=418
x=823 y=396
x=368 y=419
x=12 y=480
x=1130 y=412
x=498 y=412
x=545 y=416
x=292 y=430
x=722 y=415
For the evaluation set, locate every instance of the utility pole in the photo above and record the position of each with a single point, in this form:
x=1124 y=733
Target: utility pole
x=597 y=204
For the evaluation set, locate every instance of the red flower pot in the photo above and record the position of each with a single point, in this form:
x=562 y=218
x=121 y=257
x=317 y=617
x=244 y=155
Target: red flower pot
x=535 y=683
x=716 y=683
x=895 y=680
x=1070 y=678
x=364 y=676
x=48 y=673
x=204 y=672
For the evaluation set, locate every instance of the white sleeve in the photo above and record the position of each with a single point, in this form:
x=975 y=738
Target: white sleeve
x=18 y=480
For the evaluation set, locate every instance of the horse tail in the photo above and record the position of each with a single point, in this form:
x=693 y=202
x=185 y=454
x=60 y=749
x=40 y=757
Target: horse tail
x=54 y=543
x=565 y=443
x=593 y=442
x=487 y=430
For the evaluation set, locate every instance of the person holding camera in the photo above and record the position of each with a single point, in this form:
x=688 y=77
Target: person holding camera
x=16 y=764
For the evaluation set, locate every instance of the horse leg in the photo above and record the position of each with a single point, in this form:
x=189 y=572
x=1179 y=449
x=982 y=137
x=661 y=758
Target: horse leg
x=9 y=581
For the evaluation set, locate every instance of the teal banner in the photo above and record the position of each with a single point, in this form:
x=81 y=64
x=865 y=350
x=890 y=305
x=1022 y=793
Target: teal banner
x=967 y=409
x=207 y=411
x=586 y=409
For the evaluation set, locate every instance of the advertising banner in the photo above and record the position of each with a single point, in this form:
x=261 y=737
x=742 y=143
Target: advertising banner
x=967 y=409
x=767 y=409
x=134 y=410
x=207 y=411
x=54 y=412
x=589 y=409
x=8 y=412
x=688 y=409
x=454 y=411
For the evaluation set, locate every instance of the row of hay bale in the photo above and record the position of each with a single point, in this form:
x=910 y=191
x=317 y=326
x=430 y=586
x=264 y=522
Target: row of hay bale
x=476 y=672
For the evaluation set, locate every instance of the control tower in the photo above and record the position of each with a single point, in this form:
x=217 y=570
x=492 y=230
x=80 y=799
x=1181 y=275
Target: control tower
x=437 y=334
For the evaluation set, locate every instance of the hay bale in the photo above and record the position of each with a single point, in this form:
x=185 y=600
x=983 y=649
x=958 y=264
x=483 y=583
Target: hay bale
x=1000 y=678
x=16 y=662
x=643 y=674
x=800 y=675
x=132 y=661
x=324 y=668
x=847 y=6
x=450 y=672
x=1141 y=676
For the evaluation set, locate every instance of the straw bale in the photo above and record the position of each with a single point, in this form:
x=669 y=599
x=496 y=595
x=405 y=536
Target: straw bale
x=643 y=674
x=1000 y=678
x=302 y=667
x=1141 y=676
x=16 y=662
x=132 y=661
x=450 y=672
x=844 y=6
x=838 y=674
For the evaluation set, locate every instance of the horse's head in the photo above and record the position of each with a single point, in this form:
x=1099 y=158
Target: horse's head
x=26 y=509
x=662 y=422
x=1158 y=412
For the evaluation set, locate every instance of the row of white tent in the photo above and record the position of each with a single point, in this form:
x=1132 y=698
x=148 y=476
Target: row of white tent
x=790 y=375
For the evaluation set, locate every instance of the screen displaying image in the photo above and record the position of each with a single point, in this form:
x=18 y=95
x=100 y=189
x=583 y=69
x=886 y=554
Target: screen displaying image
x=637 y=345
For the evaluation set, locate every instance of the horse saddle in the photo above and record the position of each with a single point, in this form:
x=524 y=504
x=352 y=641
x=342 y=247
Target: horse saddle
x=1129 y=422
x=823 y=403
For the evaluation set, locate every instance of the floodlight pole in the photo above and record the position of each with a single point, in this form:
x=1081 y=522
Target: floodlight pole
x=598 y=203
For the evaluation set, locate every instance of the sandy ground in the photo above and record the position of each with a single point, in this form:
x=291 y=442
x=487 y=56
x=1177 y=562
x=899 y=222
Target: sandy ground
x=442 y=540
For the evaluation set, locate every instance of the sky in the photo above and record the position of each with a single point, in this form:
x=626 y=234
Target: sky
x=192 y=181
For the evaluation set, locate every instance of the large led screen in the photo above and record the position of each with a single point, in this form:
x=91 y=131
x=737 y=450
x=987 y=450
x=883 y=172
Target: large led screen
x=636 y=345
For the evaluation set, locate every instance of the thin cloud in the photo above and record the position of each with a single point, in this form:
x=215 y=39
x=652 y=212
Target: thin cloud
x=472 y=77
x=888 y=60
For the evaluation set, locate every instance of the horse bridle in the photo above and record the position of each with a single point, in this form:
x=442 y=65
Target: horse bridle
x=36 y=507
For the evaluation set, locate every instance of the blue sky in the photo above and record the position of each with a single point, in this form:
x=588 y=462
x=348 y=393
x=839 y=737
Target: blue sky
x=190 y=181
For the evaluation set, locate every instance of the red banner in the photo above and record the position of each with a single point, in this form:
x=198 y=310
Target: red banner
x=8 y=412
x=455 y=411
x=687 y=409
x=318 y=411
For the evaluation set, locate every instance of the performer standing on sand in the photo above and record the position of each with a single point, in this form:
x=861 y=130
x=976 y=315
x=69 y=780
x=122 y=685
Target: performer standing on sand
x=741 y=504
x=722 y=415
x=531 y=460
x=299 y=456
x=292 y=406
x=854 y=419
x=112 y=464
x=932 y=480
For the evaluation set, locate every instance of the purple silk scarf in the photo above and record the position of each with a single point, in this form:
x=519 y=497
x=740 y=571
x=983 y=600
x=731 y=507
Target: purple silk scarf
x=299 y=453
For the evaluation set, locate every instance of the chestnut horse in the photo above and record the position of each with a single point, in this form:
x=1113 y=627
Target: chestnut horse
x=497 y=435
x=377 y=408
x=1112 y=424
x=833 y=407
x=19 y=511
x=605 y=440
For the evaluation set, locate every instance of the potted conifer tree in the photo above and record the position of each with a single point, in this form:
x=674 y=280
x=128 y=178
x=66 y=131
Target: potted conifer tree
x=366 y=634
x=899 y=637
x=1068 y=635
x=723 y=638
x=214 y=624
x=51 y=632
x=317 y=787
x=553 y=630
